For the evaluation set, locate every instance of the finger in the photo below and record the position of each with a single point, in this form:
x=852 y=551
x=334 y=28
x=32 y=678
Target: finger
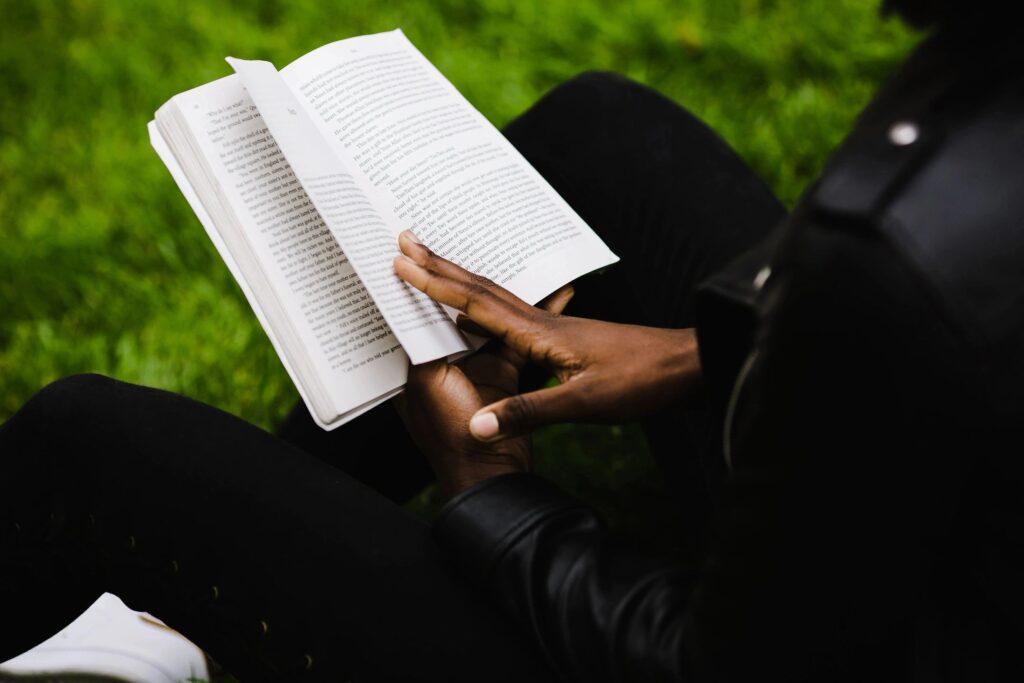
x=472 y=299
x=555 y=303
x=496 y=367
x=401 y=405
x=427 y=374
x=474 y=296
x=464 y=323
x=524 y=413
x=410 y=246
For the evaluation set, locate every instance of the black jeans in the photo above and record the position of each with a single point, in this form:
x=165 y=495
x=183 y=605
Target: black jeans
x=287 y=556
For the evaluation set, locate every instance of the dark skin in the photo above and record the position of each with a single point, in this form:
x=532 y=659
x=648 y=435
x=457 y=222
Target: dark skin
x=468 y=418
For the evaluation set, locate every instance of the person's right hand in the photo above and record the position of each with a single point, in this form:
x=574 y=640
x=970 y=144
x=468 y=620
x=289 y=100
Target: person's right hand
x=608 y=372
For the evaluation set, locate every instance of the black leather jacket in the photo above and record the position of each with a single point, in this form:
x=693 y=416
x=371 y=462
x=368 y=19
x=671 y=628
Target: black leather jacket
x=873 y=416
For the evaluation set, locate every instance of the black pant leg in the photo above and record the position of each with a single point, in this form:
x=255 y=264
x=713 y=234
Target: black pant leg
x=375 y=449
x=661 y=188
x=265 y=556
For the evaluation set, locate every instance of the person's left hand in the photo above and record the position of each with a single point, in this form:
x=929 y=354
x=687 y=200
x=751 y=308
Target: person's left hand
x=440 y=398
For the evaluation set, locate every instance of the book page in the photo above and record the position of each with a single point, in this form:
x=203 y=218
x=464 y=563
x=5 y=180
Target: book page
x=441 y=168
x=347 y=341
x=177 y=173
x=354 y=215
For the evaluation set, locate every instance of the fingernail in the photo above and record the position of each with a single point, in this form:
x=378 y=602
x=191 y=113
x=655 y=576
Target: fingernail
x=403 y=257
x=412 y=237
x=484 y=425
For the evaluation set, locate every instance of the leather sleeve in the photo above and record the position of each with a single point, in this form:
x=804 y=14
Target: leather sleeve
x=849 y=438
x=600 y=610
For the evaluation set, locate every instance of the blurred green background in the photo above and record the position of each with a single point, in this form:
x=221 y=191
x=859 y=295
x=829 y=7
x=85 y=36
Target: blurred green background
x=103 y=268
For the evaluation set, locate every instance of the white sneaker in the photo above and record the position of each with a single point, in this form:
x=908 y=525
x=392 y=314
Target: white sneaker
x=111 y=642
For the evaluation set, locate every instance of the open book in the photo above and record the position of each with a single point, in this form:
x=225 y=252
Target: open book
x=303 y=179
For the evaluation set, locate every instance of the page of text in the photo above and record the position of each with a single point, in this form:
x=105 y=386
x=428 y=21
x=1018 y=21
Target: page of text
x=346 y=337
x=443 y=170
x=353 y=215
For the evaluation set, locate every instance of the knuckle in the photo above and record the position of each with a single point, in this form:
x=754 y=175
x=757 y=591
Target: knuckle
x=519 y=410
x=475 y=291
x=481 y=281
x=429 y=285
x=537 y=326
x=430 y=260
x=537 y=321
x=584 y=393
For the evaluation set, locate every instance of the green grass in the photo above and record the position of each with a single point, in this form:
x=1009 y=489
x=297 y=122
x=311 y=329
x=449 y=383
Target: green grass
x=103 y=267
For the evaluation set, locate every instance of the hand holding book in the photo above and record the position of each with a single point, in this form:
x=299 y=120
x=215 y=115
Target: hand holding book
x=607 y=372
x=440 y=398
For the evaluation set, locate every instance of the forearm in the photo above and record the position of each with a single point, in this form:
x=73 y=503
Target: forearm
x=600 y=610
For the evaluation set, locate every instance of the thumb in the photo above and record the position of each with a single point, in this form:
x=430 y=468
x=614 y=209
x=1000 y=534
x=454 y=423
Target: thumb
x=523 y=413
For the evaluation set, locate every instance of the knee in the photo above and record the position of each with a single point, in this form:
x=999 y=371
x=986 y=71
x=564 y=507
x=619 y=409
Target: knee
x=85 y=383
x=74 y=399
x=80 y=389
x=592 y=90
x=608 y=82
x=39 y=443
x=588 y=111
x=605 y=108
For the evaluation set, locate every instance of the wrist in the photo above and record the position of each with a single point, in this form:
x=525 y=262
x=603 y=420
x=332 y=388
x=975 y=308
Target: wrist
x=472 y=471
x=681 y=365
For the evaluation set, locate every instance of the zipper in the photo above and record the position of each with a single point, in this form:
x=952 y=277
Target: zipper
x=734 y=399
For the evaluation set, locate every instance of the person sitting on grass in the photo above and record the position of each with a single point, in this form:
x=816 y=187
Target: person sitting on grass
x=834 y=395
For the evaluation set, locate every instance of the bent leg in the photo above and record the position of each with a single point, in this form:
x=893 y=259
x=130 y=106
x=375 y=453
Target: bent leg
x=668 y=195
x=276 y=563
x=375 y=449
